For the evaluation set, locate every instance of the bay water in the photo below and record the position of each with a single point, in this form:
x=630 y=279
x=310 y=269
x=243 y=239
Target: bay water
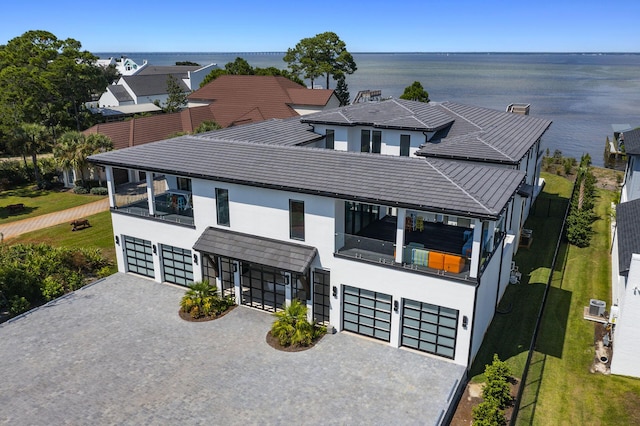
x=583 y=94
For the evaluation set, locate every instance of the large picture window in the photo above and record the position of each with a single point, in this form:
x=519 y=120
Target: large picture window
x=365 y=139
x=222 y=206
x=296 y=219
x=376 y=142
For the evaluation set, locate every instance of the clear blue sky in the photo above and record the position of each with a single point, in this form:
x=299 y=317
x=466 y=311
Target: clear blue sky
x=365 y=26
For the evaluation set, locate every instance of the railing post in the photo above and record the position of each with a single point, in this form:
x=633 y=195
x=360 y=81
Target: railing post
x=151 y=194
x=402 y=214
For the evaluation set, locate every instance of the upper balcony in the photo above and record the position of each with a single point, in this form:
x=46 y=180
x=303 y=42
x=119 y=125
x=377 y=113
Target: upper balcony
x=169 y=204
x=433 y=247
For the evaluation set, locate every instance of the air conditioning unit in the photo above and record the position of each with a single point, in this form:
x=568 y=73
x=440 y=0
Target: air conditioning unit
x=597 y=307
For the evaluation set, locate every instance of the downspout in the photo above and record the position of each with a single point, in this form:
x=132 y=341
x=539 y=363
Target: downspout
x=499 y=273
x=473 y=324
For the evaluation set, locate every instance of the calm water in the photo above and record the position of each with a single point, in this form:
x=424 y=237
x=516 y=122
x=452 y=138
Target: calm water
x=582 y=94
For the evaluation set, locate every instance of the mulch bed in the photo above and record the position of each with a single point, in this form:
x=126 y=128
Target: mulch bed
x=274 y=343
x=187 y=317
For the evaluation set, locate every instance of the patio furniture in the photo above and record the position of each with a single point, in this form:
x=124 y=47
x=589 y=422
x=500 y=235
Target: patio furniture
x=420 y=257
x=453 y=263
x=420 y=223
x=436 y=260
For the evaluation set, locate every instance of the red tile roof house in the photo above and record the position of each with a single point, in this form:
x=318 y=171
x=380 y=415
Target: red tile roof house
x=229 y=100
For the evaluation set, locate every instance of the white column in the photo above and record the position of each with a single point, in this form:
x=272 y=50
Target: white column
x=396 y=320
x=287 y=288
x=402 y=214
x=477 y=250
x=237 y=283
x=150 y=194
x=111 y=186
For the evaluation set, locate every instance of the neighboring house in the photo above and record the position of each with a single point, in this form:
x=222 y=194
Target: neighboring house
x=232 y=100
x=414 y=252
x=625 y=265
x=240 y=99
x=147 y=86
x=124 y=65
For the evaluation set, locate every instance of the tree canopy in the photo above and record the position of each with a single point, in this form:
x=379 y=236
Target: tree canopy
x=74 y=147
x=45 y=80
x=241 y=67
x=322 y=55
x=415 y=92
x=176 y=97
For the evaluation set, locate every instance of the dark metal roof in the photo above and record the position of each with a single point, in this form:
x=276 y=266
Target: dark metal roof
x=249 y=248
x=394 y=114
x=429 y=184
x=485 y=134
x=120 y=93
x=275 y=131
x=152 y=84
x=632 y=142
x=628 y=222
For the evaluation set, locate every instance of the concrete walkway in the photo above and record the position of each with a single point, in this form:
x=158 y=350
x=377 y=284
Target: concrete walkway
x=14 y=229
x=116 y=352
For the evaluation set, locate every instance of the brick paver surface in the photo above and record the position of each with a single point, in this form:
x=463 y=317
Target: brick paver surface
x=117 y=352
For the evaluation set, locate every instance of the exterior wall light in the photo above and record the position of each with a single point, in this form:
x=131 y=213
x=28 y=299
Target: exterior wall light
x=465 y=322
x=117 y=240
x=195 y=258
x=155 y=250
x=335 y=292
x=396 y=305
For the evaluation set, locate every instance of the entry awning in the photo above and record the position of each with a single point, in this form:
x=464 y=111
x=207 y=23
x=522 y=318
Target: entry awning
x=249 y=248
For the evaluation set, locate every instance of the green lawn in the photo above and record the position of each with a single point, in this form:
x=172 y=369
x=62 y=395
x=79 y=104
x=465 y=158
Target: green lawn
x=98 y=235
x=38 y=202
x=560 y=389
x=511 y=330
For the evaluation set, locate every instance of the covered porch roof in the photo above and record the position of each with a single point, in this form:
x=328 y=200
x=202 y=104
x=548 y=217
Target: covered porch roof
x=265 y=251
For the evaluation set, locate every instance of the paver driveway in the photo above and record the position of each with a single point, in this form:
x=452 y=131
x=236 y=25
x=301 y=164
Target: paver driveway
x=116 y=352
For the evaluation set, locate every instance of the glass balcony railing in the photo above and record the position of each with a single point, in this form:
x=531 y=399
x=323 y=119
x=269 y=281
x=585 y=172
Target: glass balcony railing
x=365 y=248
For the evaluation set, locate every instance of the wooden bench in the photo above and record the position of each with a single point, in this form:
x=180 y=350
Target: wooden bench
x=14 y=208
x=80 y=223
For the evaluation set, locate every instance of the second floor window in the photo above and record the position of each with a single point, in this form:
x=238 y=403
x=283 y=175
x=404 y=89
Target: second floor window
x=405 y=144
x=184 y=184
x=222 y=206
x=330 y=139
x=296 y=220
x=365 y=138
x=376 y=142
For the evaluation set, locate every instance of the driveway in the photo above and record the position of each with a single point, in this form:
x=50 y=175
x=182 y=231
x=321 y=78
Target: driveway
x=116 y=352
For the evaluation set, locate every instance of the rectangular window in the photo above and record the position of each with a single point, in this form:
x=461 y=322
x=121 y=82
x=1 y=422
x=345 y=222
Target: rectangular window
x=330 y=139
x=405 y=144
x=222 y=206
x=376 y=142
x=365 y=138
x=184 y=184
x=296 y=220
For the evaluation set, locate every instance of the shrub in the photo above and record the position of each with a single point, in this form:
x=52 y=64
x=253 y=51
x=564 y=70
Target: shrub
x=202 y=299
x=292 y=328
x=18 y=305
x=52 y=288
x=80 y=190
x=487 y=413
x=104 y=272
x=99 y=190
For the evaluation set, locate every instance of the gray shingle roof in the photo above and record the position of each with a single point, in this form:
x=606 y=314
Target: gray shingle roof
x=485 y=134
x=632 y=142
x=628 y=221
x=394 y=113
x=249 y=248
x=427 y=184
x=152 y=84
x=275 y=131
x=120 y=93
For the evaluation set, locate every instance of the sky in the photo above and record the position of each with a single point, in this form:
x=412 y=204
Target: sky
x=371 y=26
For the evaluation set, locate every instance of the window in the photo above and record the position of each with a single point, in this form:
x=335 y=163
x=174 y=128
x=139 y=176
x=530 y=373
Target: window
x=330 y=139
x=296 y=220
x=184 y=184
x=376 y=142
x=222 y=206
x=365 y=138
x=405 y=144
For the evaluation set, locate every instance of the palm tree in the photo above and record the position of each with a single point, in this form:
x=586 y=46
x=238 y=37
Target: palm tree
x=292 y=328
x=73 y=148
x=33 y=138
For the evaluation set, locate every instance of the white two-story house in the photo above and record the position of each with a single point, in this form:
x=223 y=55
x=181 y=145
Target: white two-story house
x=414 y=252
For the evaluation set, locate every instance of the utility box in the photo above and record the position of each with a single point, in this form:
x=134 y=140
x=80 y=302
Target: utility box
x=597 y=307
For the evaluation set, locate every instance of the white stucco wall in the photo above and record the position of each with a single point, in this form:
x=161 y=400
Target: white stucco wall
x=348 y=139
x=626 y=339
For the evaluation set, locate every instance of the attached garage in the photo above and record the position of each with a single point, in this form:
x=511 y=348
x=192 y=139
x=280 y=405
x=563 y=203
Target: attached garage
x=176 y=265
x=367 y=312
x=429 y=328
x=139 y=256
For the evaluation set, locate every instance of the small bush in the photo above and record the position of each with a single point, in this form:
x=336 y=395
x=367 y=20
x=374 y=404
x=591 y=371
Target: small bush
x=487 y=413
x=18 y=305
x=202 y=299
x=104 y=272
x=80 y=190
x=52 y=287
x=99 y=190
x=292 y=328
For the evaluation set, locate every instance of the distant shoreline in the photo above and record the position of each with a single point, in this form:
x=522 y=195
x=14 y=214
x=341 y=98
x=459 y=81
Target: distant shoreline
x=384 y=53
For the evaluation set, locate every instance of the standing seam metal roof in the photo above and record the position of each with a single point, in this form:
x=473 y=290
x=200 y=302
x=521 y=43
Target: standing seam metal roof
x=429 y=184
